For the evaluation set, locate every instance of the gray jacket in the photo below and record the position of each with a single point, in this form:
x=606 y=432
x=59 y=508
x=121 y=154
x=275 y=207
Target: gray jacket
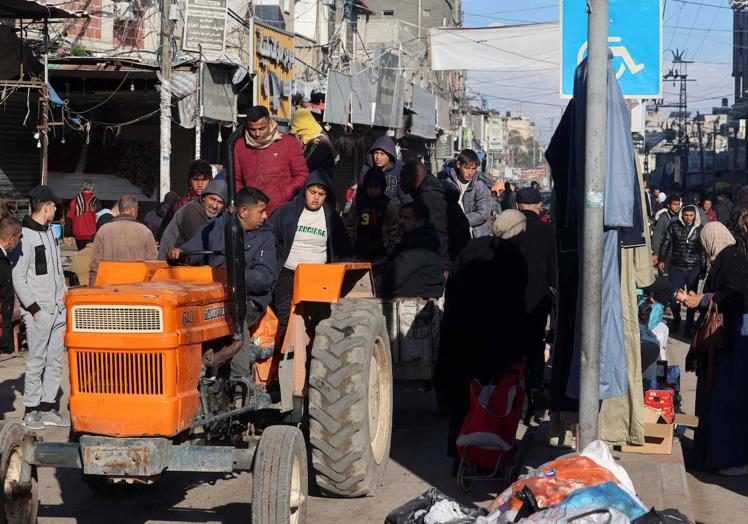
x=476 y=201
x=660 y=228
x=37 y=276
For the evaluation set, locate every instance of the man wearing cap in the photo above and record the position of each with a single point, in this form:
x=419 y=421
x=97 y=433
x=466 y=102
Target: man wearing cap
x=189 y=219
x=124 y=239
x=538 y=246
x=40 y=285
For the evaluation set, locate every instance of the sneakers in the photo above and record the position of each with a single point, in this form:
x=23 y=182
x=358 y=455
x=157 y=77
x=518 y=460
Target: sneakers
x=53 y=418
x=32 y=420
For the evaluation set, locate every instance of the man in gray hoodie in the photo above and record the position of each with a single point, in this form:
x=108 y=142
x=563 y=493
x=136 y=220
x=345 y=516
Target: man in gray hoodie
x=382 y=154
x=40 y=285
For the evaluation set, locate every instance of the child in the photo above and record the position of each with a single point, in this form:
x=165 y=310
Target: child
x=372 y=221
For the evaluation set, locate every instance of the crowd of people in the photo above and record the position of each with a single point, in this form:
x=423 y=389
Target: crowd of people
x=700 y=247
x=428 y=236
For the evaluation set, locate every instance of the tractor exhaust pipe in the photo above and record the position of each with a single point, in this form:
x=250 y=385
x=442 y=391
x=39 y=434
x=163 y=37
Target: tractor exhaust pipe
x=234 y=240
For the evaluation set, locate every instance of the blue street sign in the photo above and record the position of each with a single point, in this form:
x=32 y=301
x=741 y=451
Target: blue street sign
x=634 y=38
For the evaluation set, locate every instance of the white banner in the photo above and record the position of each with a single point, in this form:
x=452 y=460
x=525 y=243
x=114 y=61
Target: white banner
x=529 y=47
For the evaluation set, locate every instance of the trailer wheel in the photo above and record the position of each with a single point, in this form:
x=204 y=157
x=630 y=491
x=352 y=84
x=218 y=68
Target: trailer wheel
x=15 y=508
x=280 y=477
x=350 y=399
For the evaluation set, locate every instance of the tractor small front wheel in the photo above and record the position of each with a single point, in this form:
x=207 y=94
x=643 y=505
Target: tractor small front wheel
x=280 y=478
x=17 y=506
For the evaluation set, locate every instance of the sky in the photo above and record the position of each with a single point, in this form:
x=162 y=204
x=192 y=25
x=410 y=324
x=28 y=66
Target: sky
x=703 y=28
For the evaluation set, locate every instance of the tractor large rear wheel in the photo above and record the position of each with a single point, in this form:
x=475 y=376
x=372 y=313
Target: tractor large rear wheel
x=280 y=477
x=15 y=508
x=350 y=399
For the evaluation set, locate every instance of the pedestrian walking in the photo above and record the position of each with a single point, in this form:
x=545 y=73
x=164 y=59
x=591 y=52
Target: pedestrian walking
x=721 y=438
x=10 y=236
x=154 y=217
x=124 y=239
x=474 y=194
x=188 y=220
x=663 y=218
x=681 y=251
x=724 y=207
x=415 y=269
x=40 y=285
x=308 y=230
x=372 y=221
x=483 y=330
x=444 y=210
x=82 y=214
x=269 y=160
x=538 y=247
x=707 y=209
x=509 y=197
x=382 y=155
x=319 y=152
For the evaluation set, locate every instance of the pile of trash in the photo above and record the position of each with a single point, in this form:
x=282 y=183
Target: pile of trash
x=580 y=488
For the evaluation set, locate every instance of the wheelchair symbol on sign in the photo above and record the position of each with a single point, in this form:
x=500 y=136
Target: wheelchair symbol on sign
x=619 y=51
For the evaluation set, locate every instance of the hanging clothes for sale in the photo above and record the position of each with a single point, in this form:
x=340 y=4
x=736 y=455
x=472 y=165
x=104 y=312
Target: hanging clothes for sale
x=623 y=229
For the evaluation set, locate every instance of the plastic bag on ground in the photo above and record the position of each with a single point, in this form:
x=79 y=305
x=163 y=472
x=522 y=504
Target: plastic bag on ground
x=554 y=481
x=608 y=495
x=416 y=511
x=564 y=515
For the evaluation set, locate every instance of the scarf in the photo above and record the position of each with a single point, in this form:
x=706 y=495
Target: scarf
x=305 y=126
x=273 y=135
x=714 y=238
x=509 y=224
x=81 y=207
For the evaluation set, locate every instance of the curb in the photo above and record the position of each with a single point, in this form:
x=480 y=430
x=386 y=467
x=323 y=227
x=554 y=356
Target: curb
x=660 y=480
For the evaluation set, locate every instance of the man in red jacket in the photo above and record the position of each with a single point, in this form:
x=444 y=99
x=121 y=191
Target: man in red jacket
x=269 y=160
x=82 y=214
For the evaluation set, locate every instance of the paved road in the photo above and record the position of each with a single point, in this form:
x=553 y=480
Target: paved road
x=416 y=463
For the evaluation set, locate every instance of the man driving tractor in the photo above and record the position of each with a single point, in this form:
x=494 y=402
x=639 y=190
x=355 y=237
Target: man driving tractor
x=259 y=256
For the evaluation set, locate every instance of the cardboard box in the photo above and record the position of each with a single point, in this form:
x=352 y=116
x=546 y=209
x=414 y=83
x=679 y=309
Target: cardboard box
x=658 y=434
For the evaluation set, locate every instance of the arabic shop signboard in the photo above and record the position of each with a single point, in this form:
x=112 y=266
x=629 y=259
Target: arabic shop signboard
x=634 y=40
x=495 y=136
x=273 y=65
x=205 y=26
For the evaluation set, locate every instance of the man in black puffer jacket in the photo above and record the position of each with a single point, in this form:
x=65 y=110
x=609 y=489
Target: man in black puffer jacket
x=682 y=251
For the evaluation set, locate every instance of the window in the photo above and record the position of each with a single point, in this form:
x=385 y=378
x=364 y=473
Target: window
x=426 y=12
x=388 y=12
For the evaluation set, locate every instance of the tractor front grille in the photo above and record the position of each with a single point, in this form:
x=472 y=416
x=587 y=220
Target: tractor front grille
x=120 y=373
x=117 y=319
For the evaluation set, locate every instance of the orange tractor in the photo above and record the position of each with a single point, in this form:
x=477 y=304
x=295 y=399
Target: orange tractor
x=148 y=350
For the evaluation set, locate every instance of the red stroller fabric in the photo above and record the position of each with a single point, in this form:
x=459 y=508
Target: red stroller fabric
x=495 y=411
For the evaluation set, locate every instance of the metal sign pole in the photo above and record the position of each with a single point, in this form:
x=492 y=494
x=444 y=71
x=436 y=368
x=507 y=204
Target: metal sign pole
x=165 y=135
x=594 y=183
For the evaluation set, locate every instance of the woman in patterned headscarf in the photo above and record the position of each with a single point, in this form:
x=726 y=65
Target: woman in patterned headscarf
x=721 y=440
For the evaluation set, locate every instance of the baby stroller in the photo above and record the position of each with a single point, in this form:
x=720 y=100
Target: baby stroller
x=486 y=444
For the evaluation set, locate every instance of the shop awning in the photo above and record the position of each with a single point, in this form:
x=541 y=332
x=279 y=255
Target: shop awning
x=30 y=10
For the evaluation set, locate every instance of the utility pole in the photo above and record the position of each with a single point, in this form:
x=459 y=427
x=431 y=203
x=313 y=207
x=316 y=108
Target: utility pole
x=701 y=149
x=594 y=198
x=199 y=116
x=714 y=147
x=679 y=72
x=419 y=19
x=165 y=135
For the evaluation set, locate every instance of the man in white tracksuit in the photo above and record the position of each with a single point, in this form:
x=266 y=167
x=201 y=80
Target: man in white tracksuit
x=40 y=285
